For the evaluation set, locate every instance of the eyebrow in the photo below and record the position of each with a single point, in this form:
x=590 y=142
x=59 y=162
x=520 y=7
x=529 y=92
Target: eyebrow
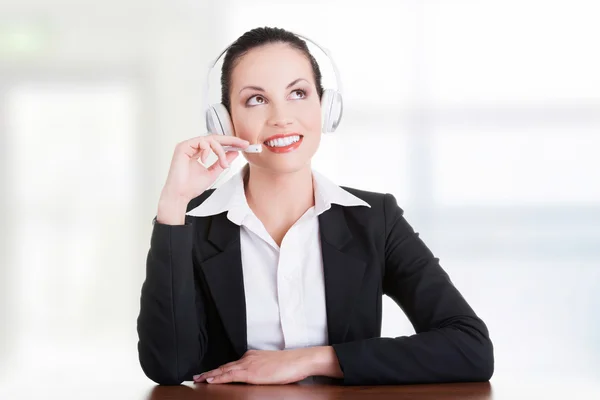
x=258 y=88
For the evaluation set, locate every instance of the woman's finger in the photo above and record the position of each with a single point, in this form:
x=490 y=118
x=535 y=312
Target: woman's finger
x=204 y=155
x=200 y=142
x=231 y=141
x=191 y=149
x=218 y=149
x=223 y=369
x=223 y=139
x=239 y=375
x=208 y=374
x=217 y=168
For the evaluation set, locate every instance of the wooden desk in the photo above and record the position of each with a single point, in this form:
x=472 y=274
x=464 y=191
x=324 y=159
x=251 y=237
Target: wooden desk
x=454 y=391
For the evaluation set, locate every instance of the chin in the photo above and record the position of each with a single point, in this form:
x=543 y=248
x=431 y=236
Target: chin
x=288 y=163
x=285 y=167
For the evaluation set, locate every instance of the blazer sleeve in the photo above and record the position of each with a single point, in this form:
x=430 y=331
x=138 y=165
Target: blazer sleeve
x=451 y=343
x=171 y=325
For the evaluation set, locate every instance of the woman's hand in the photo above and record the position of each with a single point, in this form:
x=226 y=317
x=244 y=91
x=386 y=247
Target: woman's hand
x=262 y=367
x=276 y=367
x=188 y=178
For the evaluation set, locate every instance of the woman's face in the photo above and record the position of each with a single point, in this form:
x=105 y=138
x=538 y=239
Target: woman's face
x=273 y=94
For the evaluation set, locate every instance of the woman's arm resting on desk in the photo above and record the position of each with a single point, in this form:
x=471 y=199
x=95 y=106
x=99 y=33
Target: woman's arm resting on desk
x=451 y=343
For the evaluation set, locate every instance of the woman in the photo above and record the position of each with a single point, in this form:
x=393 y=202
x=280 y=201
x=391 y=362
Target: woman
x=278 y=275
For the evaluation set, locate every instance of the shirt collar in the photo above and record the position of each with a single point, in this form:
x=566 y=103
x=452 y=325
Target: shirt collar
x=328 y=193
x=230 y=197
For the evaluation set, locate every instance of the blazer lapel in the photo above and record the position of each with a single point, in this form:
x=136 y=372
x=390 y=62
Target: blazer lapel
x=224 y=275
x=343 y=271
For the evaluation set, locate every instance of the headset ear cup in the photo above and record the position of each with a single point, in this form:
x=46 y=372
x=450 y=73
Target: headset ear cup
x=331 y=110
x=218 y=120
x=337 y=109
x=325 y=108
x=212 y=122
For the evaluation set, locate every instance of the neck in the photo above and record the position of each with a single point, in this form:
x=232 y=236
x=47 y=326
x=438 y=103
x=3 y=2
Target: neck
x=279 y=198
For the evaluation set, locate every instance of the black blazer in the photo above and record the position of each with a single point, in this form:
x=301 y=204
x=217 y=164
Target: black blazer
x=193 y=312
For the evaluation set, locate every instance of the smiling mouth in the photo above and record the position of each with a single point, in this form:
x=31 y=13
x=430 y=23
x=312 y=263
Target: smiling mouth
x=283 y=142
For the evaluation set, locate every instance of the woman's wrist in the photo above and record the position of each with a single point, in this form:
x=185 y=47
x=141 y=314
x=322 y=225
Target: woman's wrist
x=171 y=210
x=322 y=361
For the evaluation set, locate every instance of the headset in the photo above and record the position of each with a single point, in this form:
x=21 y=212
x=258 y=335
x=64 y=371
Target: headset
x=219 y=122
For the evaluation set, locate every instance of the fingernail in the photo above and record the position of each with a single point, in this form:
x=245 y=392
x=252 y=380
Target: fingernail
x=209 y=380
x=197 y=376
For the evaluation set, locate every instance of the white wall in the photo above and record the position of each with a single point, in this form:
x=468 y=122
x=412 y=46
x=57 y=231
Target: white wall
x=481 y=117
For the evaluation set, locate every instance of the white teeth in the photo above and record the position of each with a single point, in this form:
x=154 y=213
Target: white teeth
x=282 y=142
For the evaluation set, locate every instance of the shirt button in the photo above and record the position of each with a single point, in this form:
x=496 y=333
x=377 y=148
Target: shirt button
x=287 y=275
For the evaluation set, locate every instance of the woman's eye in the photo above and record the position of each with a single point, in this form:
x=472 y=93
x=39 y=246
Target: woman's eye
x=255 y=100
x=299 y=92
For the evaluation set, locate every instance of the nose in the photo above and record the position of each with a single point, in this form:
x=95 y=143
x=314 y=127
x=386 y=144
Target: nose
x=279 y=117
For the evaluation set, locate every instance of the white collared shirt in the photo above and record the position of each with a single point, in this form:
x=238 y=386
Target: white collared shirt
x=284 y=286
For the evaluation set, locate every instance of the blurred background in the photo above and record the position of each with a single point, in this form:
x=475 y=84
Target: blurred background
x=481 y=117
